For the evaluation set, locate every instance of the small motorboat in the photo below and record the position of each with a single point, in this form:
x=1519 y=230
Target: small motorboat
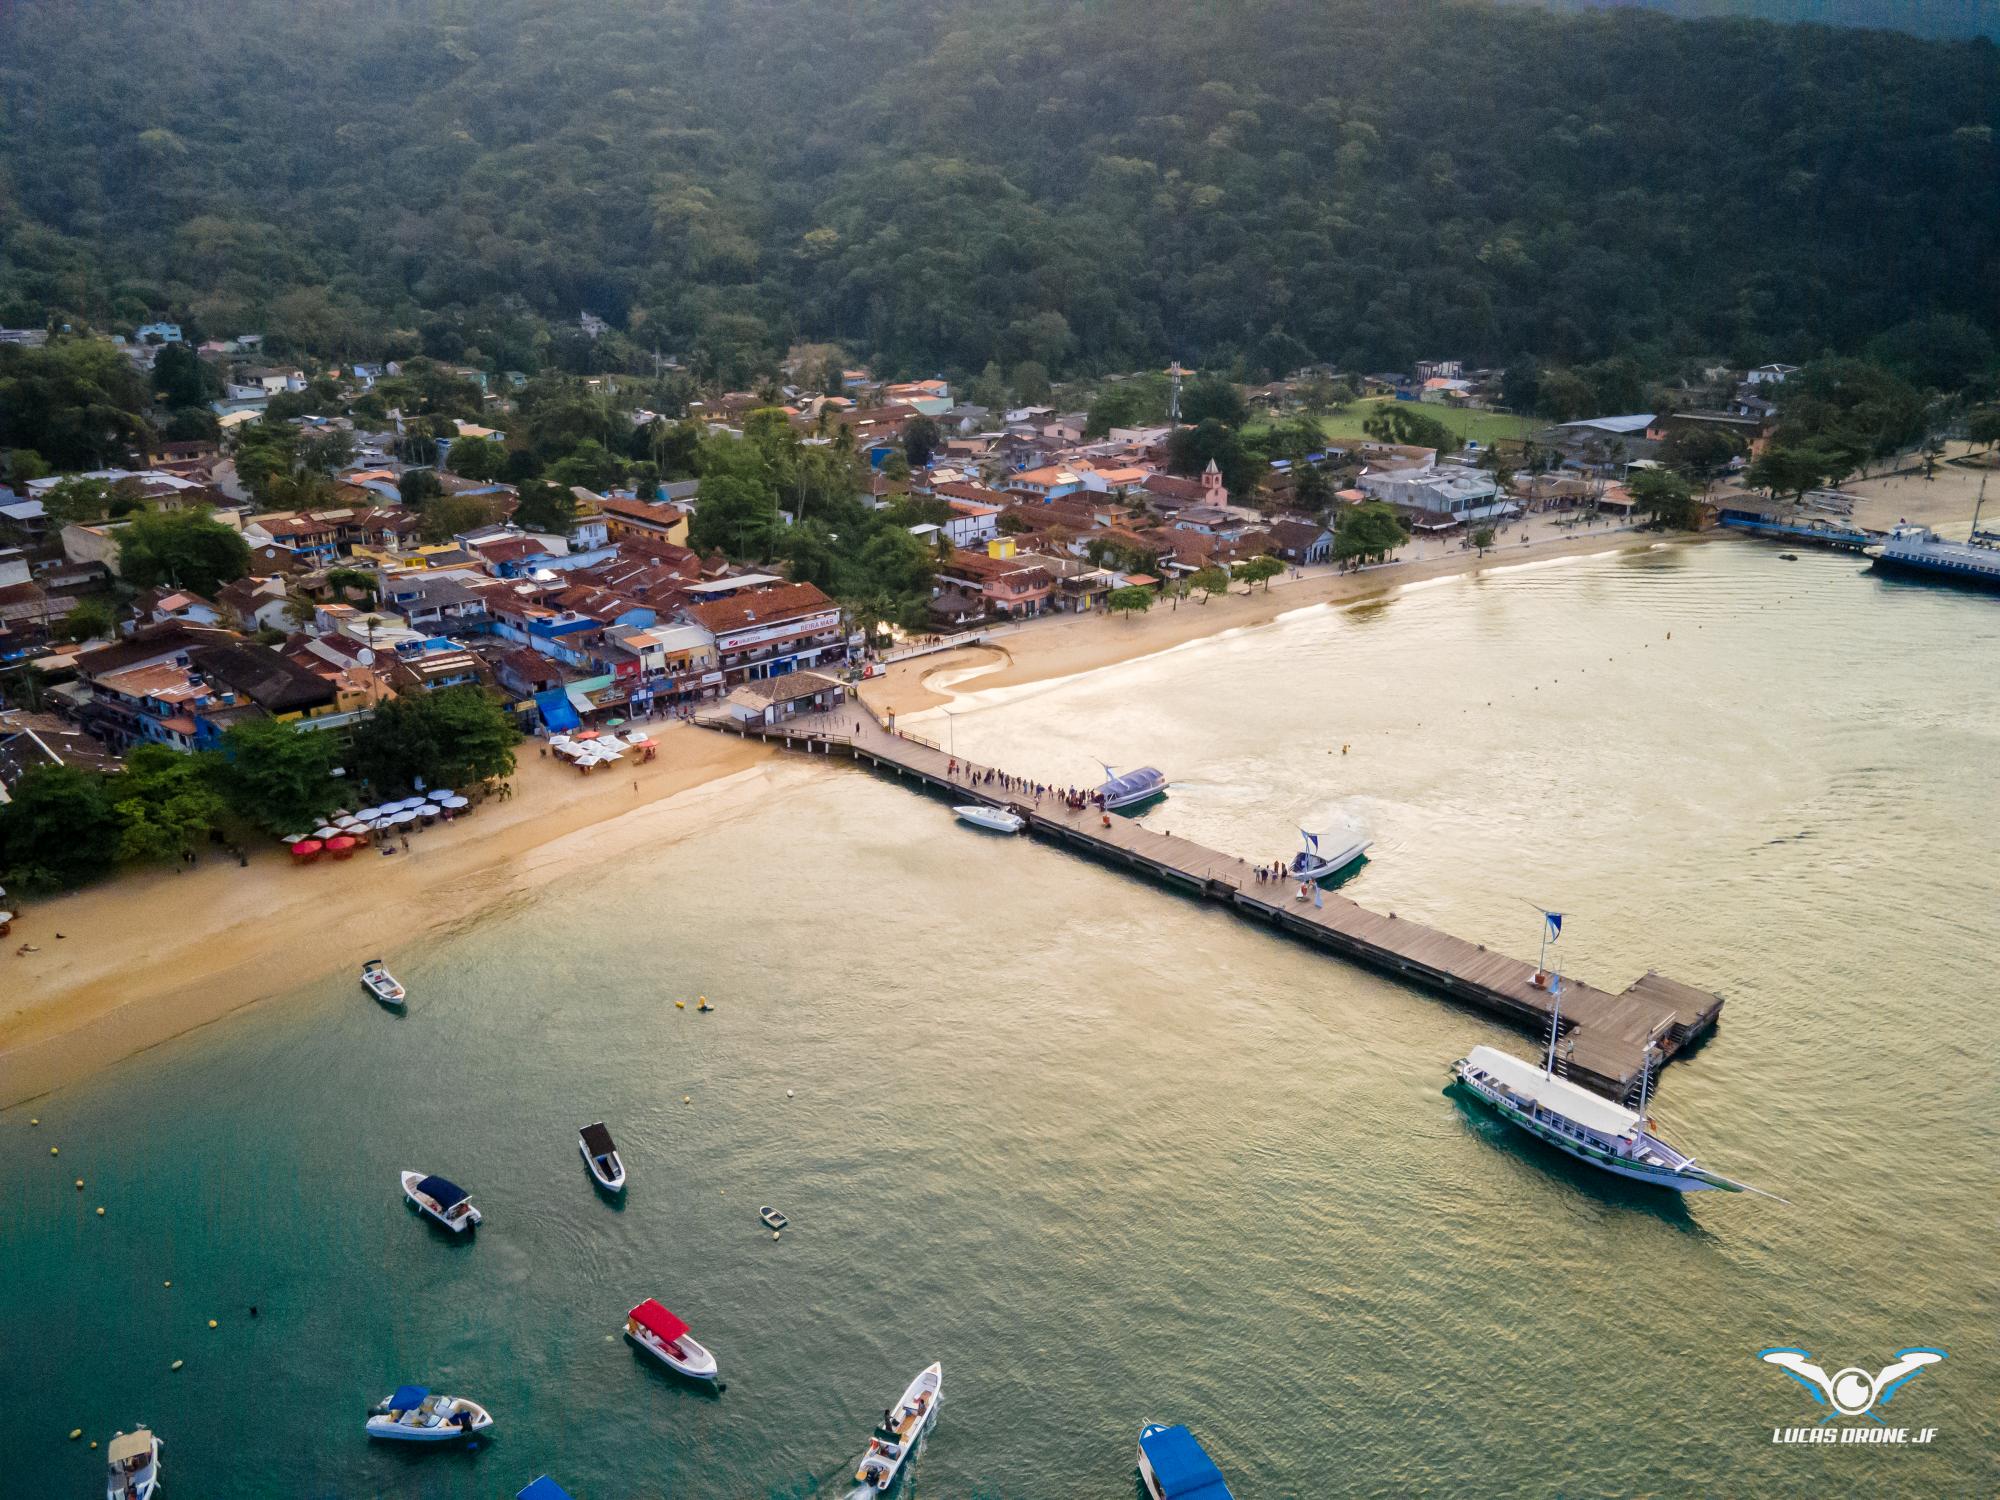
x=442 y=1200
x=903 y=1427
x=135 y=1466
x=379 y=982
x=663 y=1335
x=1173 y=1466
x=1312 y=864
x=992 y=819
x=413 y=1415
x=772 y=1218
x=594 y=1141
x=1788 y=557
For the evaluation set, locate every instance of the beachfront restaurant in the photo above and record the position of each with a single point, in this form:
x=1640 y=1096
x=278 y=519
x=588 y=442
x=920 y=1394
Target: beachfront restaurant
x=770 y=700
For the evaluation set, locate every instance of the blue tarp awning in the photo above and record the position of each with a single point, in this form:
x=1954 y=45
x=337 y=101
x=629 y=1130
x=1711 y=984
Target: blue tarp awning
x=557 y=711
x=1145 y=779
x=544 y=1488
x=1183 y=1470
x=446 y=1192
x=407 y=1398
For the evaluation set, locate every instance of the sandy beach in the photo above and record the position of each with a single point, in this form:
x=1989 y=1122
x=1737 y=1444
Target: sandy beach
x=1065 y=645
x=145 y=957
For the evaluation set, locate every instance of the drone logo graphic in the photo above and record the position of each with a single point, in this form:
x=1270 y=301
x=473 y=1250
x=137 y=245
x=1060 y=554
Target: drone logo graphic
x=1851 y=1392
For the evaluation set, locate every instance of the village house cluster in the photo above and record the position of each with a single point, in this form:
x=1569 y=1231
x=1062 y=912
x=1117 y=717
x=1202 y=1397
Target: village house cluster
x=346 y=605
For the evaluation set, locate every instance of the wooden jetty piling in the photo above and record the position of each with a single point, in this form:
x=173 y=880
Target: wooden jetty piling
x=1606 y=1038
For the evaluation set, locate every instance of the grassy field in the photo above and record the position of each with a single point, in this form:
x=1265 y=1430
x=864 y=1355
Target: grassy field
x=1481 y=426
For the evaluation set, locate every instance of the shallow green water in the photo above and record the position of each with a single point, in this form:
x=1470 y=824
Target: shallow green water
x=1111 y=1155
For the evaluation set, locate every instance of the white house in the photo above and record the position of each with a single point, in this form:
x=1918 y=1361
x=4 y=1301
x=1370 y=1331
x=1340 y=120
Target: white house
x=1770 y=374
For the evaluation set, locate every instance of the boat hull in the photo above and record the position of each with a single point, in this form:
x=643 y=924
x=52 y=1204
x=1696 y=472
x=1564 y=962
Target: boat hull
x=883 y=1464
x=383 y=1427
x=1604 y=1161
x=992 y=819
x=699 y=1365
x=431 y=1211
x=610 y=1181
x=1961 y=575
x=1335 y=864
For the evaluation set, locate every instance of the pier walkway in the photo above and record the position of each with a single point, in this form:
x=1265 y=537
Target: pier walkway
x=1605 y=1036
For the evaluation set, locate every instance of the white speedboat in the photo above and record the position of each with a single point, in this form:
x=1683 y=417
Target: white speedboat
x=772 y=1218
x=442 y=1200
x=1173 y=1466
x=413 y=1415
x=1315 y=862
x=379 y=982
x=903 y=1426
x=135 y=1466
x=594 y=1141
x=663 y=1335
x=993 y=819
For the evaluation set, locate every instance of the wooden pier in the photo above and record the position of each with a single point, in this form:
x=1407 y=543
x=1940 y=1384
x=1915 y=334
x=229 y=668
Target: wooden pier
x=1605 y=1037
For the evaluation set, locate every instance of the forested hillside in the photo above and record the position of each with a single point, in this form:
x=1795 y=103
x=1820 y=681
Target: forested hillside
x=1941 y=18
x=942 y=184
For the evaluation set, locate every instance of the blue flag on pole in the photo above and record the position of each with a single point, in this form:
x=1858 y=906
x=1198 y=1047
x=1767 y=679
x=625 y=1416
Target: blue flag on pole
x=1555 y=919
x=1312 y=839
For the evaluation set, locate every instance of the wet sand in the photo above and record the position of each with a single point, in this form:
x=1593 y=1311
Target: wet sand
x=1067 y=645
x=148 y=956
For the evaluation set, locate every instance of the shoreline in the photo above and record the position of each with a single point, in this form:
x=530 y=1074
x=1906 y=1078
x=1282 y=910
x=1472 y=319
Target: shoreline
x=149 y=956
x=1062 y=646
x=146 y=957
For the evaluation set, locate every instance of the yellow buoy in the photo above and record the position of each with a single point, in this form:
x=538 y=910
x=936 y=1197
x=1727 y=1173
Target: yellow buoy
x=36 y=1121
x=211 y=1322
x=93 y=1442
x=166 y=1283
x=55 y=1151
x=687 y=1098
x=680 y=1005
x=75 y=1434
x=177 y=1364
x=79 y=1184
x=100 y=1211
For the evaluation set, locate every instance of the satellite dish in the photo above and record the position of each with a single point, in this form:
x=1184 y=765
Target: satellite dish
x=365 y=657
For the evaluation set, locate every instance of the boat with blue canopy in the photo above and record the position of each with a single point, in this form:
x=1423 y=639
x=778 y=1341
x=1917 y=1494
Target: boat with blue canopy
x=411 y=1414
x=1174 y=1467
x=1129 y=788
x=544 y=1488
x=442 y=1200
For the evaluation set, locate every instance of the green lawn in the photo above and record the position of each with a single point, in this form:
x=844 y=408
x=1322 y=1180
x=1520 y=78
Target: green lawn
x=1482 y=426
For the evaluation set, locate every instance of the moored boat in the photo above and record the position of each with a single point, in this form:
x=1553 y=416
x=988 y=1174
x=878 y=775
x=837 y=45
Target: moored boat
x=602 y=1157
x=411 y=1414
x=993 y=819
x=772 y=1218
x=903 y=1426
x=1581 y=1124
x=442 y=1200
x=1173 y=1466
x=135 y=1466
x=379 y=982
x=1131 y=787
x=544 y=1488
x=1313 y=863
x=665 y=1336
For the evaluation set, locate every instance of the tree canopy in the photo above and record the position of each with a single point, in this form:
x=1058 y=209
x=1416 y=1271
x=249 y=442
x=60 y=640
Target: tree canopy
x=1046 y=190
x=452 y=737
x=188 y=549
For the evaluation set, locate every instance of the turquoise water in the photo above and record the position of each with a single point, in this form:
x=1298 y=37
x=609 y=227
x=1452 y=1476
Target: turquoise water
x=1113 y=1156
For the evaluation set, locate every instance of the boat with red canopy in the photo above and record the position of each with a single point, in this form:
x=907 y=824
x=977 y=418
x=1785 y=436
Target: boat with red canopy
x=663 y=1335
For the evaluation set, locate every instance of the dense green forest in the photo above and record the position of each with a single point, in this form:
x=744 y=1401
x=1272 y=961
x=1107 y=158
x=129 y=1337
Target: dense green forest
x=1943 y=18
x=947 y=185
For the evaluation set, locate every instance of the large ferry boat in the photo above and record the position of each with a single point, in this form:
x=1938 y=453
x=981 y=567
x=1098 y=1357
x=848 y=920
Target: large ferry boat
x=1918 y=549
